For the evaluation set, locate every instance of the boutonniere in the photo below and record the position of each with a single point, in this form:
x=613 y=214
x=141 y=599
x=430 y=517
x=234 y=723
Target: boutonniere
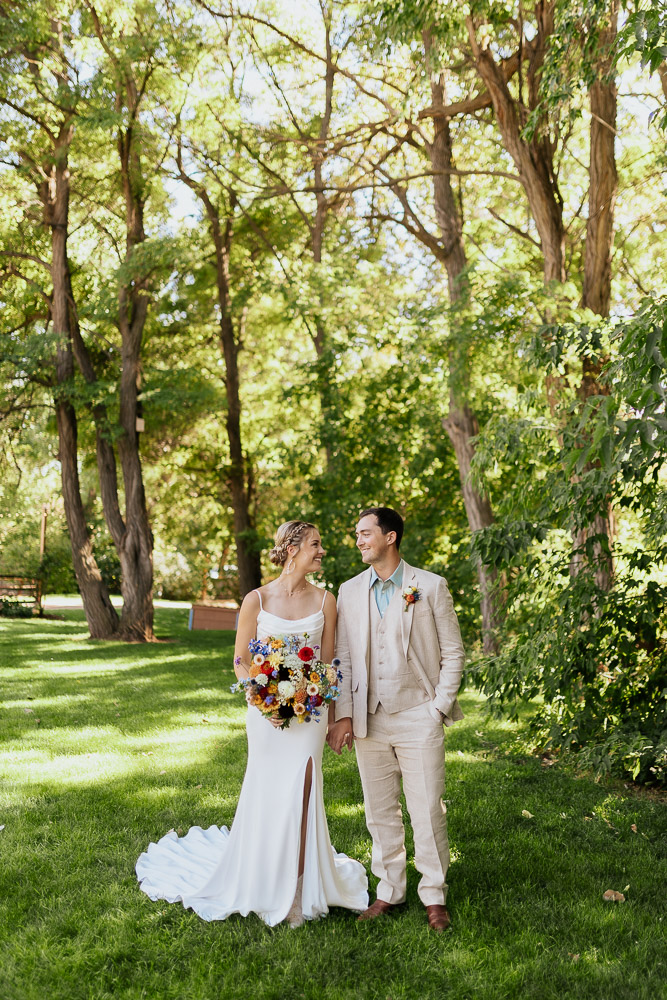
x=411 y=596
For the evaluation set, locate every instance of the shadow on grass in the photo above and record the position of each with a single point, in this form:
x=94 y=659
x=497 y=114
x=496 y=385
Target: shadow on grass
x=525 y=892
x=52 y=673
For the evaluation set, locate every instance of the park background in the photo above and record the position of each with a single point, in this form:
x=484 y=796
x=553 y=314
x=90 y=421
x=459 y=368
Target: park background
x=267 y=260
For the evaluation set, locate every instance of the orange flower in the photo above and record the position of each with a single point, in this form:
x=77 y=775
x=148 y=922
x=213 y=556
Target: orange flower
x=254 y=670
x=300 y=696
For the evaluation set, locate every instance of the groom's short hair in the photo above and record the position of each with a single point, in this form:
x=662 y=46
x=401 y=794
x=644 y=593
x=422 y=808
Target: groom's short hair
x=388 y=520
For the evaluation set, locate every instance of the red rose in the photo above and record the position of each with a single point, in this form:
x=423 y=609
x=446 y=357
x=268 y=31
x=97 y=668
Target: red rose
x=410 y=598
x=306 y=654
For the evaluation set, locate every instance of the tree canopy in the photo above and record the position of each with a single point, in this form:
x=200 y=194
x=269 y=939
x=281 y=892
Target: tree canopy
x=263 y=261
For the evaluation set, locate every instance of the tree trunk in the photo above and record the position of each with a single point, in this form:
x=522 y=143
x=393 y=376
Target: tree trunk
x=461 y=424
x=245 y=535
x=603 y=178
x=239 y=474
x=327 y=388
x=54 y=193
x=603 y=182
x=136 y=548
x=662 y=73
x=100 y=614
x=132 y=536
x=533 y=158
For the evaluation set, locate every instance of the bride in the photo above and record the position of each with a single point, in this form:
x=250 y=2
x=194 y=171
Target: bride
x=277 y=859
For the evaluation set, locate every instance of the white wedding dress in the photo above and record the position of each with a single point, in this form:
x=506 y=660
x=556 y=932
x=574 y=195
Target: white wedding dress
x=253 y=867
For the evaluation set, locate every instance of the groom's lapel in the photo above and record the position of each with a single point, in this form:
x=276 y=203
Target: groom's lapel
x=409 y=580
x=364 y=599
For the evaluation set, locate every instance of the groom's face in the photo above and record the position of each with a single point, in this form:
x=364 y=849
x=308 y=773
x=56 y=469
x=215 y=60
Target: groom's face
x=372 y=544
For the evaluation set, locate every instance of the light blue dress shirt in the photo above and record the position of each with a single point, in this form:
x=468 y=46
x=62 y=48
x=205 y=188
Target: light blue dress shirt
x=384 y=589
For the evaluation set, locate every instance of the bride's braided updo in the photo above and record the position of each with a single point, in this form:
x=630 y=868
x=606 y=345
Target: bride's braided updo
x=289 y=533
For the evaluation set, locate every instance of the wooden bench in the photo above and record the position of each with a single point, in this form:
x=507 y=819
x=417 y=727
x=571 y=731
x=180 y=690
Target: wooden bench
x=22 y=589
x=216 y=617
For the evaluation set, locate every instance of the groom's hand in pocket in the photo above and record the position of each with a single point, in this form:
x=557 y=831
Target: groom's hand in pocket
x=340 y=734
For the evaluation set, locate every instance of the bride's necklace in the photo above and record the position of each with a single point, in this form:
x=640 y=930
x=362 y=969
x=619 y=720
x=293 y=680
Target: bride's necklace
x=292 y=593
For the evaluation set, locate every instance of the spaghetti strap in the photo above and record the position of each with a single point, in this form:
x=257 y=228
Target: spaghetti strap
x=323 y=600
x=260 y=600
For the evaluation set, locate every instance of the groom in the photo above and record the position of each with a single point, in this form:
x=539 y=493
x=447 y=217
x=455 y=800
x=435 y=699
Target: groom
x=401 y=656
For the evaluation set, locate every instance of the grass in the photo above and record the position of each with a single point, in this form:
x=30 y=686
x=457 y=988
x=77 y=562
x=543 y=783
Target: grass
x=107 y=746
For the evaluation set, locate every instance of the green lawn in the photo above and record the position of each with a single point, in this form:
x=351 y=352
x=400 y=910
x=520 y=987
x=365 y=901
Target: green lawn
x=107 y=746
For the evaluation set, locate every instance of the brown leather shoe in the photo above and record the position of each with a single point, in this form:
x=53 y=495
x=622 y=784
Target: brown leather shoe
x=438 y=917
x=377 y=909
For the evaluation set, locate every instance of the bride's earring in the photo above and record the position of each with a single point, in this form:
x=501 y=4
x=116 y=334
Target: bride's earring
x=290 y=566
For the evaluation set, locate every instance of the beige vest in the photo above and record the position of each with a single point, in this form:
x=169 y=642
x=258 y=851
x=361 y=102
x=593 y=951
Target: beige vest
x=391 y=682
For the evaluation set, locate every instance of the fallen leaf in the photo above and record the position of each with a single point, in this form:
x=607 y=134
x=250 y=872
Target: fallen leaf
x=611 y=896
x=563 y=815
x=575 y=958
x=625 y=888
x=526 y=814
x=204 y=720
x=27 y=710
x=2 y=827
x=477 y=733
x=163 y=772
x=588 y=817
x=148 y=753
x=634 y=827
x=197 y=786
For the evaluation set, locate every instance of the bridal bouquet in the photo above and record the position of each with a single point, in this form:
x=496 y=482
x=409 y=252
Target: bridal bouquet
x=288 y=678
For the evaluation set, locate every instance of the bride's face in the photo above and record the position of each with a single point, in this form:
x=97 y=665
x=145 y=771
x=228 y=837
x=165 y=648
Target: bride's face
x=308 y=557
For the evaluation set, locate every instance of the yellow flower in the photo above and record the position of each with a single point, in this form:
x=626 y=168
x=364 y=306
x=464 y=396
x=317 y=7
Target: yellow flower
x=314 y=677
x=275 y=659
x=273 y=687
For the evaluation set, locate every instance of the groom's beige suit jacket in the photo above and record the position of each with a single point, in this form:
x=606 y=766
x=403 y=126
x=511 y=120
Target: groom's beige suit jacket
x=431 y=647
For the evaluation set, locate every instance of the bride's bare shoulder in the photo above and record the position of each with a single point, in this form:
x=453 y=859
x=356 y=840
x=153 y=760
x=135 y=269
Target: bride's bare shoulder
x=251 y=600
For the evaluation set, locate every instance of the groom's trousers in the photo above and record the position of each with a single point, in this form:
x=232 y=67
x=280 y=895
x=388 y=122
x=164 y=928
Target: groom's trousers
x=408 y=744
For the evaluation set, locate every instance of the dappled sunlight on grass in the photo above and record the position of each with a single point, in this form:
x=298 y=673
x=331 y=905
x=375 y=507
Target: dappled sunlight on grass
x=345 y=810
x=107 y=747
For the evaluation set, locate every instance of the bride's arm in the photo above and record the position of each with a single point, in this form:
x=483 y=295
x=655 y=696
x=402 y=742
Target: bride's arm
x=245 y=632
x=329 y=632
x=328 y=638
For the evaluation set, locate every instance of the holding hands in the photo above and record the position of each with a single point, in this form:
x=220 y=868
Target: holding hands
x=340 y=734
